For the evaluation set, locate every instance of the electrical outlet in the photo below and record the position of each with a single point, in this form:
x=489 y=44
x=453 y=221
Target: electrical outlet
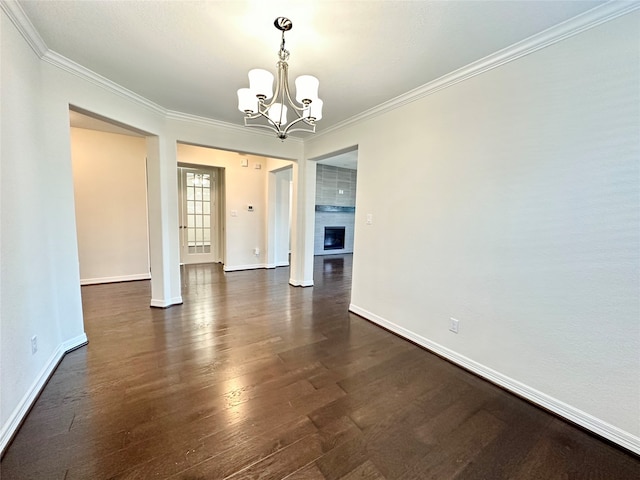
x=454 y=325
x=34 y=345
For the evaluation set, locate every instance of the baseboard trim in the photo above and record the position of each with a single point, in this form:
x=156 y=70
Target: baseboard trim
x=157 y=303
x=271 y=266
x=300 y=283
x=255 y=266
x=13 y=423
x=558 y=407
x=121 y=278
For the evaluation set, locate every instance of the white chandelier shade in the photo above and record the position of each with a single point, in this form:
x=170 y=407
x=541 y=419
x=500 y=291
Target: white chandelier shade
x=265 y=108
x=278 y=114
x=261 y=83
x=315 y=110
x=247 y=101
x=306 y=88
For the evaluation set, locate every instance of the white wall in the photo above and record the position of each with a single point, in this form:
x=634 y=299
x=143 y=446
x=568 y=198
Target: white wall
x=244 y=230
x=512 y=204
x=39 y=283
x=110 y=188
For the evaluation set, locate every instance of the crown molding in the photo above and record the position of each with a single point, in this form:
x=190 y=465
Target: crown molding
x=17 y=16
x=585 y=21
x=187 y=117
x=84 y=73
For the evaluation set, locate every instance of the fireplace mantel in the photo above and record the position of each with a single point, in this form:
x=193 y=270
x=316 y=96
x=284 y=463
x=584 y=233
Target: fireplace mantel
x=335 y=208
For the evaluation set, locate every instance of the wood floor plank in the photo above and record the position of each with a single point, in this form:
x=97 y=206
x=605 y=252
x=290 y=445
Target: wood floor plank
x=219 y=457
x=254 y=378
x=366 y=471
x=308 y=472
x=284 y=462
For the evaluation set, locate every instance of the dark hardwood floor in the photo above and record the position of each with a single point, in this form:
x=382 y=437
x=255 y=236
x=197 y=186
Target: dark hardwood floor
x=253 y=378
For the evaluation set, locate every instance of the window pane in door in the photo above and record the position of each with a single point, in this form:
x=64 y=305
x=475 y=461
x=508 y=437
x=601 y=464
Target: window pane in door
x=198 y=205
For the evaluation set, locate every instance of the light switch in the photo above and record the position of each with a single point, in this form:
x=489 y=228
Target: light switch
x=234 y=213
x=369 y=218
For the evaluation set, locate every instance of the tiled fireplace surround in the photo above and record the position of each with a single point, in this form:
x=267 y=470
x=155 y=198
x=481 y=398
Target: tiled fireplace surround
x=330 y=205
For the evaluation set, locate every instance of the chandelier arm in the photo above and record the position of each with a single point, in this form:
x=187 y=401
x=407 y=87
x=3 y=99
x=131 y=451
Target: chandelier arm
x=264 y=115
x=288 y=128
x=286 y=87
x=269 y=126
x=306 y=130
x=283 y=76
x=260 y=125
x=253 y=116
x=262 y=102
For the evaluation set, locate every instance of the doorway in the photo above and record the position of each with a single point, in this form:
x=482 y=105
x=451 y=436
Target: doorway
x=336 y=179
x=199 y=219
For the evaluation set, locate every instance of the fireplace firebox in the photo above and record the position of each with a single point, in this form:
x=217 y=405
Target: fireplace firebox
x=334 y=238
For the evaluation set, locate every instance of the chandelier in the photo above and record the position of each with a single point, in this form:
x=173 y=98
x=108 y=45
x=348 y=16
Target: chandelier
x=272 y=114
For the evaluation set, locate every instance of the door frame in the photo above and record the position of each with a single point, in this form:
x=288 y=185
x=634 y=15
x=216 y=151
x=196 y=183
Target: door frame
x=215 y=255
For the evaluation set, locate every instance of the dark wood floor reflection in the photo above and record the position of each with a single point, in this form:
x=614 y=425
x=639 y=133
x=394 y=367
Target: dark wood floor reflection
x=253 y=378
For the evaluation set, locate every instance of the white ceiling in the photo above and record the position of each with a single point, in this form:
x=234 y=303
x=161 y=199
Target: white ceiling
x=192 y=56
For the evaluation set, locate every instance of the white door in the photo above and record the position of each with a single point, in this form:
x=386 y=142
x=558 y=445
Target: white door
x=198 y=216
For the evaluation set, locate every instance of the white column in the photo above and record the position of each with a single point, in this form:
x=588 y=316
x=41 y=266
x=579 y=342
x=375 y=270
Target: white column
x=272 y=189
x=162 y=185
x=304 y=191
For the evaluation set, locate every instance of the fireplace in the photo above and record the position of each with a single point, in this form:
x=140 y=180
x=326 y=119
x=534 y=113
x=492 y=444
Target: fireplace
x=334 y=238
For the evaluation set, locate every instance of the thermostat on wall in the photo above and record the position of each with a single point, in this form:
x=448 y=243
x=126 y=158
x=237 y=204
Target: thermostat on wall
x=250 y=208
